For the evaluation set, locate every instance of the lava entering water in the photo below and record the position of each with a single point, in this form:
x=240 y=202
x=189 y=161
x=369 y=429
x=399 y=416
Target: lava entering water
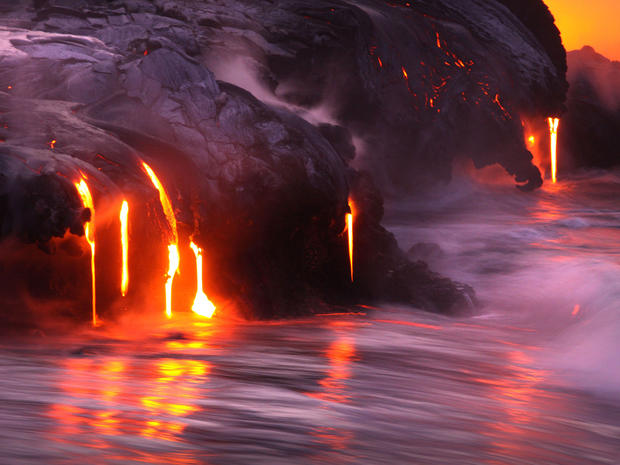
x=553 y=129
x=350 y=234
x=202 y=305
x=125 y=247
x=89 y=231
x=173 y=249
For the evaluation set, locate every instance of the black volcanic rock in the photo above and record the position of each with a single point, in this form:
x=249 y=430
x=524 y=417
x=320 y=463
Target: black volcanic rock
x=416 y=83
x=588 y=135
x=257 y=174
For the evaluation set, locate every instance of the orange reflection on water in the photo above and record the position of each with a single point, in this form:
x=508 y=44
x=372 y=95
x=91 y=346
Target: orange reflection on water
x=105 y=399
x=516 y=391
x=521 y=398
x=340 y=355
x=173 y=394
x=410 y=323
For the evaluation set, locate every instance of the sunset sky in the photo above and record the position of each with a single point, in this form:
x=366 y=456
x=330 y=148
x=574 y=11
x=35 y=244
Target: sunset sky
x=593 y=22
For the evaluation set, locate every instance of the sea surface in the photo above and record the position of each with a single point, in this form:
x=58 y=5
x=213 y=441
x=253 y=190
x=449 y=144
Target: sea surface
x=531 y=378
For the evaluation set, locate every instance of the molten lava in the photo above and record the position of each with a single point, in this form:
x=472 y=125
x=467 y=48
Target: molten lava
x=173 y=249
x=125 y=248
x=553 y=129
x=89 y=231
x=202 y=305
x=350 y=235
x=173 y=267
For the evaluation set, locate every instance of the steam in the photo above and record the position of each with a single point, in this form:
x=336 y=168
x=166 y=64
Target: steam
x=245 y=72
x=533 y=260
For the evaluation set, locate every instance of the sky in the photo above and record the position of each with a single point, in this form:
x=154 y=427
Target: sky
x=589 y=22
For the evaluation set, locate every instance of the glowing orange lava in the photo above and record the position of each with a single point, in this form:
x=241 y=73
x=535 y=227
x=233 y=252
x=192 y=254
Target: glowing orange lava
x=125 y=247
x=173 y=249
x=350 y=235
x=202 y=305
x=531 y=140
x=553 y=129
x=89 y=231
x=52 y=144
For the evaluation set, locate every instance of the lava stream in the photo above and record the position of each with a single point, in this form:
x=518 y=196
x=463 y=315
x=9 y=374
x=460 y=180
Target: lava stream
x=89 y=232
x=553 y=129
x=350 y=234
x=202 y=305
x=173 y=249
x=125 y=247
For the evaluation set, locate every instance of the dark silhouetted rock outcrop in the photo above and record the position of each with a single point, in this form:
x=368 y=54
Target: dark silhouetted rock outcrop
x=254 y=114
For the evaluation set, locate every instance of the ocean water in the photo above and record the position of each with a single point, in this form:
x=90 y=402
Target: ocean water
x=533 y=377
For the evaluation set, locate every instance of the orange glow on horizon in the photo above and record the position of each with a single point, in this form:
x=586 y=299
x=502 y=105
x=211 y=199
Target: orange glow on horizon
x=125 y=247
x=588 y=23
x=202 y=305
x=173 y=249
x=553 y=129
x=89 y=232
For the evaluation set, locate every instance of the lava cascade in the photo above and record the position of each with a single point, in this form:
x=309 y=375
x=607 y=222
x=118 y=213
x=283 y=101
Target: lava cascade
x=349 y=219
x=89 y=232
x=173 y=248
x=202 y=305
x=125 y=247
x=553 y=130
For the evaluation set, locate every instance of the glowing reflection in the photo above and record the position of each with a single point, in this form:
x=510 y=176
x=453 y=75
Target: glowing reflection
x=107 y=399
x=340 y=355
x=518 y=394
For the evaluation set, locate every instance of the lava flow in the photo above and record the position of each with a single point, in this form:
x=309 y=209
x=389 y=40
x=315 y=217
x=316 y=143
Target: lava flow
x=89 y=232
x=553 y=129
x=173 y=249
x=125 y=247
x=202 y=305
x=350 y=234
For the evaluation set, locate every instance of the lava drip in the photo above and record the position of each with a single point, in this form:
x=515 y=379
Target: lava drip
x=202 y=305
x=350 y=237
x=173 y=248
x=553 y=129
x=89 y=232
x=125 y=247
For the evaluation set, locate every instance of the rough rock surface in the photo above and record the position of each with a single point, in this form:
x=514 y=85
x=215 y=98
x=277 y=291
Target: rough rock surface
x=417 y=83
x=258 y=172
